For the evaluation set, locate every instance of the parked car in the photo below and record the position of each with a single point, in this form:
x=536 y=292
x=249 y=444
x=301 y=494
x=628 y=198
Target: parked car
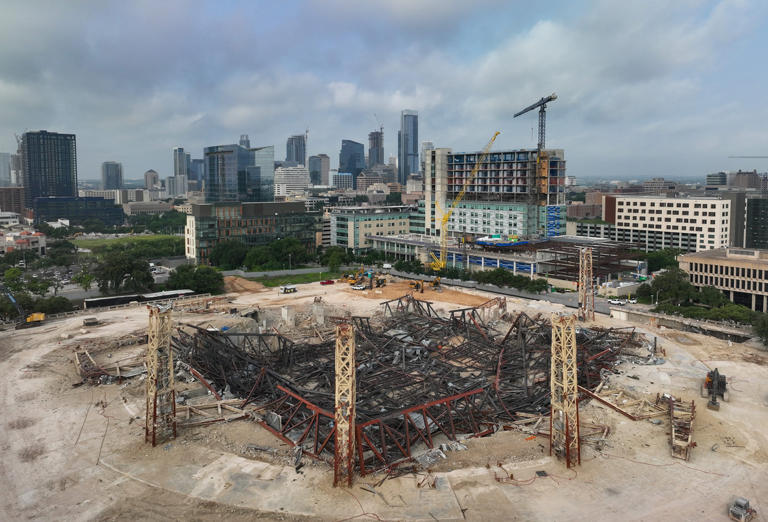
x=327 y=282
x=616 y=302
x=358 y=287
x=632 y=300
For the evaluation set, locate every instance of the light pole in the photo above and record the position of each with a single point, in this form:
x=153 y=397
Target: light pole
x=657 y=297
x=289 y=261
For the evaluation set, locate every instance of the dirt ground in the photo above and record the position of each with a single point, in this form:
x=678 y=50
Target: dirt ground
x=76 y=452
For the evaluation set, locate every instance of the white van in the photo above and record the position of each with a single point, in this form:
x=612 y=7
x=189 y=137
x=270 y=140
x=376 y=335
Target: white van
x=386 y=266
x=287 y=289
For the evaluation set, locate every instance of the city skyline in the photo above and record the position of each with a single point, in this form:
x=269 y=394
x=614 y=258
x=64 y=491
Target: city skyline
x=644 y=90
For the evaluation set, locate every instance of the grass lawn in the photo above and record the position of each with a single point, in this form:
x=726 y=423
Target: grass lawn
x=296 y=279
x=95 y=243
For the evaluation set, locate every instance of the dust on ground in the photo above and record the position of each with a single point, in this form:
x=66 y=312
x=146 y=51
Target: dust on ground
x=56 y=430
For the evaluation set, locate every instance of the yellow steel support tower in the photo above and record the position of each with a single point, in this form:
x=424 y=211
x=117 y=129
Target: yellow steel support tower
x=344 y=417
x=586 y=286
x=564 y=402
x=160 y=422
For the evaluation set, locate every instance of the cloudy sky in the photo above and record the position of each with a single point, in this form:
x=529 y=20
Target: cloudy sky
x=645 y=88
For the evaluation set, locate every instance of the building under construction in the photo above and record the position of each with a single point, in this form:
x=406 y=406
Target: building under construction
x=422 y=378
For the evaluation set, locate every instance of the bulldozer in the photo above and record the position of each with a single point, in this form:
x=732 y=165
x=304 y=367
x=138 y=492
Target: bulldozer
x=714 y=386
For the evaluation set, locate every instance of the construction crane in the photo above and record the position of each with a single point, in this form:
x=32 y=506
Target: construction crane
x=542 y=105
x=439 y=264
x=542 y=163
x=748 y=157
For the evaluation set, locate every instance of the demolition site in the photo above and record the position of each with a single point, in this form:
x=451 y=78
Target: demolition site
x=389 y=404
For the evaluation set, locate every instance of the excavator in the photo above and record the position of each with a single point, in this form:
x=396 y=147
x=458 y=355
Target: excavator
x=23 y=320
x=714 y=386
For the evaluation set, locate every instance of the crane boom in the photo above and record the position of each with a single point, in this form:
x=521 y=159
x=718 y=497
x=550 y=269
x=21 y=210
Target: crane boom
x=439 y=264
x=542 y=105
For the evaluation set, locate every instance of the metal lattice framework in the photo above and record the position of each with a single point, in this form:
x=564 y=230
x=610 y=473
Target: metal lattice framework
x=421 y=377
x=344 y=454
x=160 y=422
x=586 y=286
x=564 y=400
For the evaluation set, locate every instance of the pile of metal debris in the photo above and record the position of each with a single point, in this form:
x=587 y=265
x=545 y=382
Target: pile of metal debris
x=423 y=379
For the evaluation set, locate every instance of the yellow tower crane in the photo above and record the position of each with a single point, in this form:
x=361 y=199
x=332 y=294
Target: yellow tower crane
x=438 y=264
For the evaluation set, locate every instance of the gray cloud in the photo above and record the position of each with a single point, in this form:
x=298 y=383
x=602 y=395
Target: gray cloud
x=134 y=80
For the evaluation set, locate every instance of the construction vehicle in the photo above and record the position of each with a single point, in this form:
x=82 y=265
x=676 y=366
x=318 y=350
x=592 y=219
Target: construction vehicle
x=714 y=386
x=381 y=281
x=740 y=510
x=23 y=320
x=438 y=264
x=435 y=283
x=416 y=285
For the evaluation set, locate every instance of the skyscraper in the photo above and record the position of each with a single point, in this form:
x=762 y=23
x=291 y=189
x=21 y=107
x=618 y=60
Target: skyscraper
x=5 y=169
x=245 y=141
x=180 y=166
x=262 y=173
x=407 y=145
x=352 y=158
x=375 y=148
x=151 y=179
x=48 y=164
x=319 y=167
x=195 y=170
x=234 y=173
x=111 y=175
x=296 y=149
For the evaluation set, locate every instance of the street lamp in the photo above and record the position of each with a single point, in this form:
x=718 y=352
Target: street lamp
x=657 y=297
x=289 y=261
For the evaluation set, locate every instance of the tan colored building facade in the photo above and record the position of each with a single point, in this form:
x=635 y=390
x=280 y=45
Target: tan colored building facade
x=351 y=225
x=742 y=274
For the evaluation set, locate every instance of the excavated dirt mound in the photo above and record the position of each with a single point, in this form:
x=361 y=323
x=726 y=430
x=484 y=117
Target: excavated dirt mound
x=240 y=285
x=398 y=289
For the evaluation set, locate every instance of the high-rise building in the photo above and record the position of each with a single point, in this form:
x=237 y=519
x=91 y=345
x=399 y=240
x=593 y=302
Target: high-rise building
x=176 y=186
x=319 y=167
x=291 y=181
x=245 y=141
x=407 y=146
x=16 y=175
x=756 y=222
x=111 y=175
x=352 y=158
x=296 y=149
x=49 y=165
x=180 y=166
x=5 y=169
x=343 y=180
x=12 y=199
x=745 y=179
x=717 y=179
x=151 y=179
x=426 y=146
x=659 y=186
x=195 y=170
x=226 y=172
x=691 y=224
x=375 y=148
x=262 y=174
x=498 y=201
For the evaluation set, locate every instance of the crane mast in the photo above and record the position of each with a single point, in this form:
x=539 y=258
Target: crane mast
x=538 y=183
x=439 y=263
